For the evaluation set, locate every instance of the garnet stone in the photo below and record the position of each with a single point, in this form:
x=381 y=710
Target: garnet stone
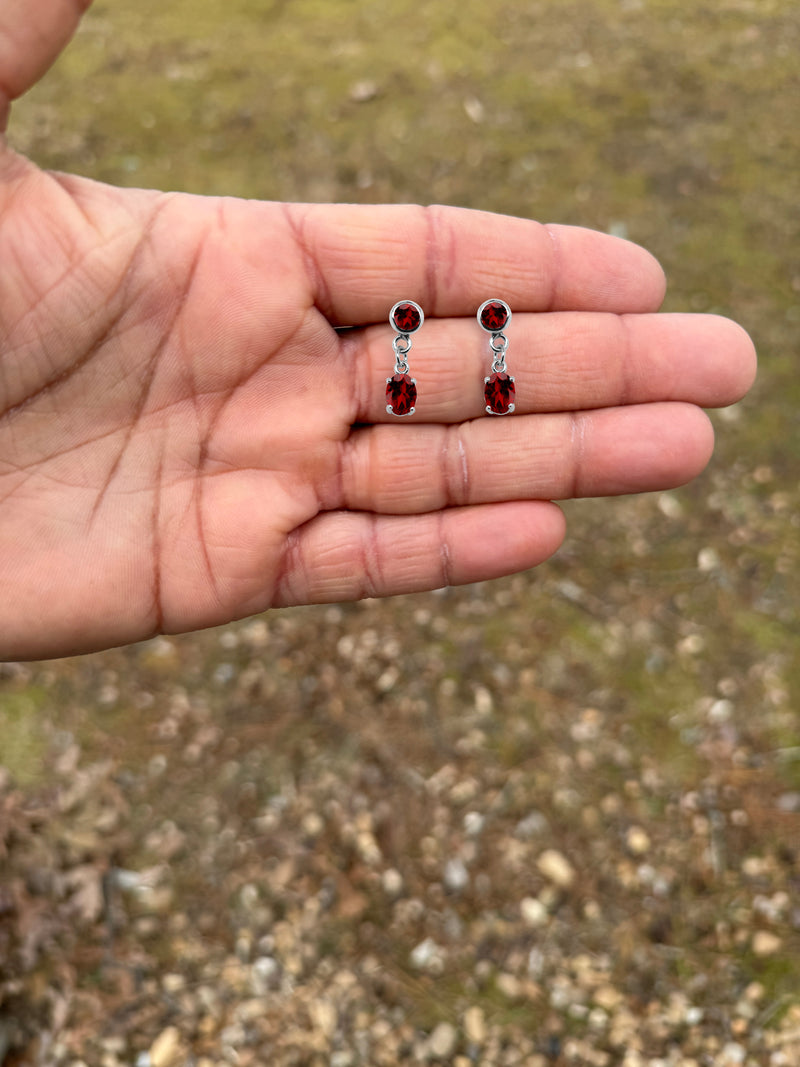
x=499 y=392
x=406 y=318
x=494 y=315
x=401 y=394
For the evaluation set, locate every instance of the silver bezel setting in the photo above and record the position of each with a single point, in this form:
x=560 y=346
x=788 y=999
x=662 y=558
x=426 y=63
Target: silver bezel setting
x=491 y=300
x=406 y=333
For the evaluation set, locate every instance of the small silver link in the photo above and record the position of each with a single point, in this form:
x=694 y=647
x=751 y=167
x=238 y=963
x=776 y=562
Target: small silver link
x=498 y=345
x=402 y=345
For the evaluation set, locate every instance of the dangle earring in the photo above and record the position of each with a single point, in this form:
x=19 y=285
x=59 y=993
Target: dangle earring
x=498 y=389
x=405 y=318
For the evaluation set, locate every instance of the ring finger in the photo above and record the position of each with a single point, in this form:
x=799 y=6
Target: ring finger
x=416 y=469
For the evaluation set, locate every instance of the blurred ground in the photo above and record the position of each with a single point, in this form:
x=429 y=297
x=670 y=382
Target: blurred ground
x=548 y=820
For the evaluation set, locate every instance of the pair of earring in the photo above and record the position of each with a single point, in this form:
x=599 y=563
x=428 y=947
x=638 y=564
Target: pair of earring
x=406 y=318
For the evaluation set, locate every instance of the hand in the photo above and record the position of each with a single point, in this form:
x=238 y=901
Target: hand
x=185 y=438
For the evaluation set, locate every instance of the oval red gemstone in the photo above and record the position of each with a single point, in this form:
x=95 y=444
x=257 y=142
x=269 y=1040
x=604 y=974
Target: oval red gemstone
x=499 y=392
x=401 y=394
x=406 y=318
x=494 y=316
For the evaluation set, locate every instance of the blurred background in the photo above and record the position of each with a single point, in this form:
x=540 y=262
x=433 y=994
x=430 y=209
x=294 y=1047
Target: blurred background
x=553 y=819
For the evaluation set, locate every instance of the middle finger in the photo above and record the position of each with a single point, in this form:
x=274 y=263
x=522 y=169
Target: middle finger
x=561 y=361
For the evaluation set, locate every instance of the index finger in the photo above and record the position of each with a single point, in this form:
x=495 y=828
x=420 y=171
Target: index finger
x=360 y=260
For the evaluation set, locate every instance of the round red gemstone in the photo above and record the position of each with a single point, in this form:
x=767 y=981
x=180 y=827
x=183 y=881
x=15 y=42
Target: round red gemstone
x=406 y=318
x=499 y=392
x=494 y=316
x=401 y=394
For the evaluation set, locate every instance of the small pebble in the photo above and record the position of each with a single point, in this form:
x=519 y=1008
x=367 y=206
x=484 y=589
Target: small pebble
x=392 y=882
x=607 y=997
x=363 y=91
x=474 y=823
x=173 y=983
x=456 y=875
x=720 y=711
x=475 y=1025
x=425 y=953
x=443 y=1041
x=509 y=986
x=637 y=841
x=707 y=560
x=166 y=1049
x=531 y=826
x=555 y=866
x=731 y=1055
x=534 y=913
x=324 y=1016
x=484 y=704
x=766 y=943
x=670 y=506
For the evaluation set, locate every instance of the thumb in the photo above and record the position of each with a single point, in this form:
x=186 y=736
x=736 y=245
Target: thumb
x=32 y=33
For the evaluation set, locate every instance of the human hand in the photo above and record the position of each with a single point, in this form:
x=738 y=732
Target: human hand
x=186 y=439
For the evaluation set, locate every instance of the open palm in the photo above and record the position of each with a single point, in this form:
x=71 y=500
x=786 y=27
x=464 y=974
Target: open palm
x=186 y=437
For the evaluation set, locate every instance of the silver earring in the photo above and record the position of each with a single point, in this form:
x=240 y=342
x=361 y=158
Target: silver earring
x=405 y=318
x=498 y=389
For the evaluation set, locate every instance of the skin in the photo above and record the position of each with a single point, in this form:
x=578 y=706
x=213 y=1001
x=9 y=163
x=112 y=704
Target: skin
x=188 y=435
